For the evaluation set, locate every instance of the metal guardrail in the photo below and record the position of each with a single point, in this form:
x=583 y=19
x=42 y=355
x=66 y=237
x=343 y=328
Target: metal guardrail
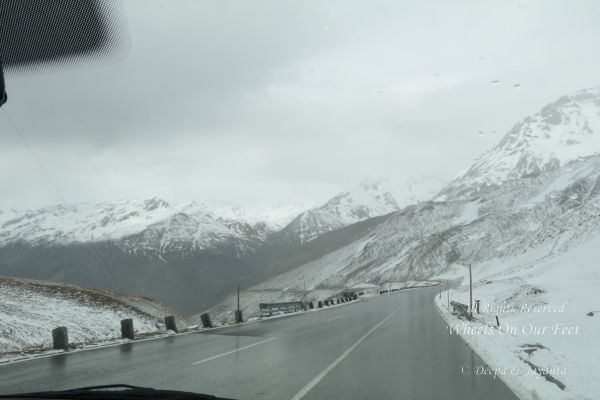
x=267 y=309
x=460 y=308
x=386 y=291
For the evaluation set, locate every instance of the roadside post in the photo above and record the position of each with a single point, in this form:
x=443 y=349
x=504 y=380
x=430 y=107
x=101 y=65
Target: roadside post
x=470 y=292
x=170 y=324
x=206 y=322
x=238 y=312
x=127 y=328
x=305 y=305
x=60 y=338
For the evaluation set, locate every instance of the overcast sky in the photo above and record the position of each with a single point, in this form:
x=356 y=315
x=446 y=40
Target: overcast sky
x=259 y=103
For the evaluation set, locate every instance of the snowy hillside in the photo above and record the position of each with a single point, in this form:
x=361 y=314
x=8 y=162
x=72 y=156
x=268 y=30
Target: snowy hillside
x=31 y=309
x=547 y=300
x=369 y=199
x=559 y=133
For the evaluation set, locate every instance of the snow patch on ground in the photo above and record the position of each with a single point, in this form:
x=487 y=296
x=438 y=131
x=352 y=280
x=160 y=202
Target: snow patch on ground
x=542 y=305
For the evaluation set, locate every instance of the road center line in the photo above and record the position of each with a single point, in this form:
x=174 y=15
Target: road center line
x=334 y=318
x=233 y=351
x=338 y=360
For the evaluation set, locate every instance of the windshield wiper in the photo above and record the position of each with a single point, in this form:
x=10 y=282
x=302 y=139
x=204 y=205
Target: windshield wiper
x=114 y=392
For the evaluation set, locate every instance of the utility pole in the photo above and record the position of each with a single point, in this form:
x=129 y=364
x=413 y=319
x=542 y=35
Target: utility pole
x=305 y=303
x=470 y=291
x=238 y=313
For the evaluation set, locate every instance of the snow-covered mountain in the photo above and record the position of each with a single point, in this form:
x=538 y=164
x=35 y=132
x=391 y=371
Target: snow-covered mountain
x=140 y=226
x=369 y=199
x=62 y=224
x=188 y=255
x=193 y=228
x=560 y=132
x=154 y=227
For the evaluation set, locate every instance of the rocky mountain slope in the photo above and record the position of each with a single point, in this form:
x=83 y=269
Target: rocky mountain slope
x=553 y=211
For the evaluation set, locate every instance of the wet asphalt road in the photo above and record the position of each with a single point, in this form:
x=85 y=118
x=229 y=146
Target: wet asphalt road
x=394 y=346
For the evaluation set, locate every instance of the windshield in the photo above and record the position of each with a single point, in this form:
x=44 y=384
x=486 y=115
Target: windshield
x=301 y=199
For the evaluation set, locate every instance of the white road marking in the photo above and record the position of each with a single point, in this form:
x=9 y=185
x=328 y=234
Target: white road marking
x=334 y=318
x=233 y=351
x=338 y=360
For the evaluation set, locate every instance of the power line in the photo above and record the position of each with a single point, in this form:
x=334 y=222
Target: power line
x=37 y=160
x=59 y=194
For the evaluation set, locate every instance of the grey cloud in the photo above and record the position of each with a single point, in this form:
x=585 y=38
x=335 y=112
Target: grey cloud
x=235 y=102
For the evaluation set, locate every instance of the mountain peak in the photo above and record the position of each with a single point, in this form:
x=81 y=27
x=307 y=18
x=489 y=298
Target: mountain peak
x=275 y=218
x=561 y=132
x=368 y=199
x=154 y=203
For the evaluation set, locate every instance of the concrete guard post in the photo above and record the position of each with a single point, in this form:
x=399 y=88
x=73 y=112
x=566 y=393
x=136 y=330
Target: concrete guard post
x=127 y=328
x=206 y=322
x=238 y=317
x=60 y=338
x=170 y=324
